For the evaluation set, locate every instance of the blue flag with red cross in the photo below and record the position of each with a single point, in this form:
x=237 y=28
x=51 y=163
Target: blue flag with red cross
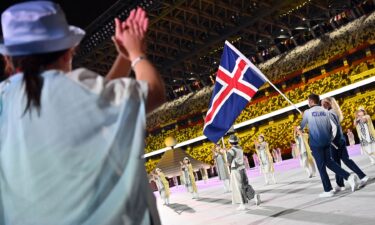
x=237 y=81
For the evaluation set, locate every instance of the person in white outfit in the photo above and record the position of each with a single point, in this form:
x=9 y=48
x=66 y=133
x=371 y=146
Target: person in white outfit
x=241 y=190
x=189 y=178
x=366 y=133
x=72 y=140
x=305 y=156
x=220 y=157
x=265 y=159
x=163 y=185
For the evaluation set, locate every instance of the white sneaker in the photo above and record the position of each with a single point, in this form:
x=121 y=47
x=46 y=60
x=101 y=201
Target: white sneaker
x=242 y=207
x=257 y=199
x=363 y=181
x=327 y=194
x=195 y=196
x=353 y=181
x=372 y=160
x=338 y=189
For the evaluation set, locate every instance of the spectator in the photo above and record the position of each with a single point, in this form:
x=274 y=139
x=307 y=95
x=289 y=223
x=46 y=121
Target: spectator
x=62 y=148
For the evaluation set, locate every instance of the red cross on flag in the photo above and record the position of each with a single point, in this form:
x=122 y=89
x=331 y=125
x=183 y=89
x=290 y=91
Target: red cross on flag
x=237 y=81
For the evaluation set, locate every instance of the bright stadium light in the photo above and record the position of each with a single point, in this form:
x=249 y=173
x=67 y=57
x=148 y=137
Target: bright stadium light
x=269 y=115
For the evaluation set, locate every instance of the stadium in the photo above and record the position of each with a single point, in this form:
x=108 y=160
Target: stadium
x=302 y=47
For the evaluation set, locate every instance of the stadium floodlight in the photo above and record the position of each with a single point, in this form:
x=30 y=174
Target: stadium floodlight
x=283 y=36
x=300 y=28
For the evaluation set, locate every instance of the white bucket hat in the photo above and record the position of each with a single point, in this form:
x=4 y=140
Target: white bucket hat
x=37 y=27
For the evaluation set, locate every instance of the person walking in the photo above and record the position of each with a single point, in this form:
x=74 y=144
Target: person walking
x=163 y=186
x=305 y=156
x=242 y=191
x=220 y=158
x=341 y=153
x=321 y=129
x=265 y=159
x=189 y=178
x=366 y=133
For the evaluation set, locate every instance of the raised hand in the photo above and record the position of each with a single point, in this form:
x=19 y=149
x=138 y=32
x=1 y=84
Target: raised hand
x=117 y=40
x=130 y=34
x=129 y=40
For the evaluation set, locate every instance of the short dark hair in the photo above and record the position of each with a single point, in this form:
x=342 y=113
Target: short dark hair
x=314 y=97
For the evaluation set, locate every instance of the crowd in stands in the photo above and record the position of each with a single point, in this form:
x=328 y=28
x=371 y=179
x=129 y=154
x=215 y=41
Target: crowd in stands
x=317 y=51
x=186 y=105
x=202 y=152
x=360 y=68
x=151 y=164
x=329 y=83
x=155 y=142
x=279 y=133
x=350 y=105
x=312 y=54
x=320 y=86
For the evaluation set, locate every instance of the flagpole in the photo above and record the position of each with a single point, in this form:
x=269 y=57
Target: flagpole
x=222 y=140
x=282 y=94
x=260 y=73
x=225 y=156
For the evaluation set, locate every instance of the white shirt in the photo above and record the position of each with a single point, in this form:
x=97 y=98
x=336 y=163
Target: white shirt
x=79 y=162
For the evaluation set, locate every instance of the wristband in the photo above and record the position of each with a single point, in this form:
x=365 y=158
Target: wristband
x=137 y=60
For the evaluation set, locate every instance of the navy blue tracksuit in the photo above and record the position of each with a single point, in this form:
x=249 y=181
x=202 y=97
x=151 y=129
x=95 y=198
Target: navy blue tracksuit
x=341 y=154
x=320 y=137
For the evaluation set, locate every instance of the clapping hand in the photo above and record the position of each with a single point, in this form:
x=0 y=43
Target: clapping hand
x=130 y=34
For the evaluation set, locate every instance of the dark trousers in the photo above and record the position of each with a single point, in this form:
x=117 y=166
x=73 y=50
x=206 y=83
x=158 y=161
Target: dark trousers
x=341 y=154
x=323 y=159
x=247 y=191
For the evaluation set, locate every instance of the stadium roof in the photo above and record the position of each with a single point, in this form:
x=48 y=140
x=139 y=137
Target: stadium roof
x=186 y=37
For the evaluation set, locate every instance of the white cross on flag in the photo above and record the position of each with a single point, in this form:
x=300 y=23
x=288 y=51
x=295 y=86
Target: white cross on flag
x=237 y=81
